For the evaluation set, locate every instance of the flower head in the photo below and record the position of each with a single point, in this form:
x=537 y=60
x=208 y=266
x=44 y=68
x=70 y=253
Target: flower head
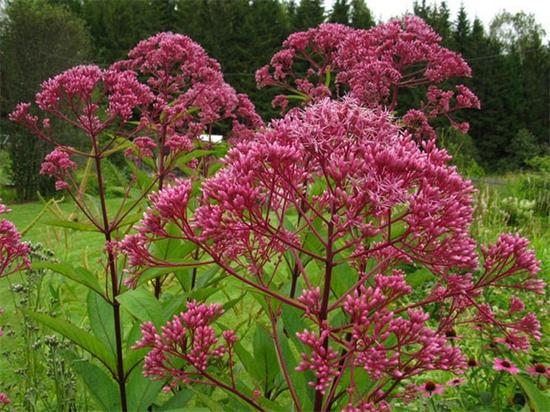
x=14 y=254
x=538 y=369
x=505 y=365
x=430 y=388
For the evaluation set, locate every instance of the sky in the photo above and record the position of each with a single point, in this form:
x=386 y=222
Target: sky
x=485 y=10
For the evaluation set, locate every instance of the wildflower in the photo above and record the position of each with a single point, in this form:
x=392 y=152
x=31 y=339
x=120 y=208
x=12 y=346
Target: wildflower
x=322 y=362
x=14 y=254
x=4 y=400
x=456 y=382
x=539 y=369
x=505 y=365
x=430 y=388
x=472 y=363
x=189 y=337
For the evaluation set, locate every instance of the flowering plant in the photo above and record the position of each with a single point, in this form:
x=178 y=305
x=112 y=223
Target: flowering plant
x=342 y=221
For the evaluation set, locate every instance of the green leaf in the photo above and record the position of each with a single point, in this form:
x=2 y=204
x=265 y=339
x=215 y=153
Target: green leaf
x=100 y=314
x=78 y=274
x=101 y=386
x=141 y=391
x=131 y=219
x=132 y=357
x=419 y=277
x=85 y=340
x=293 y=320
x=212 y=405
x=178 y=402
x=248 y=361
x=82 y=227
x=537 y=399
x=266 y=358
x=299 y=379
x=345 y=280
x=142 y=304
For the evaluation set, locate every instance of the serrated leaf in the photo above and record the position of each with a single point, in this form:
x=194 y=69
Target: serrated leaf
x=100 y=314
x=141 y=391
x=265 y=356
x=78 y=274
x=85 y=340
x=177 y=402
x=142 y=304
x=101 y=386
x=304 y=391
x=132 y=357
x=252 y=367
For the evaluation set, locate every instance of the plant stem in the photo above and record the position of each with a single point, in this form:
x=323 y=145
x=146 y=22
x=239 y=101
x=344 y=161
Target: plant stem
x=323 y=314
x=157 y=282
x=280 y=355
x=121 y=377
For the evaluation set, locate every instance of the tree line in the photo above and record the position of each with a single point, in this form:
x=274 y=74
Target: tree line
x=39 y=38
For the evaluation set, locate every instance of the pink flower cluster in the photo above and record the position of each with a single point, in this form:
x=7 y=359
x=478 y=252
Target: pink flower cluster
x=4 y=400
x=343 y=185
x=188 y=337
x=190 y=93
x=58 y=164
x=14 y=254
x=372 y=66
x=168 y=83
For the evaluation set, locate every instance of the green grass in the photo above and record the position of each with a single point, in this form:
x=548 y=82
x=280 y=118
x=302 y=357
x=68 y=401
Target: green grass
x=85 y=248
x=34 y=220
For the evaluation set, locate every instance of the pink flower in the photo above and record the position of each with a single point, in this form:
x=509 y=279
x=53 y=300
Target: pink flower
x=190 y=338
x=4 y=400
x=70 y=87
x=322 y=361
x=145 y=146
x=58 y=163
x=538 y=369
x=505 y=365
x=430 y=388
x=14 y=254
x=190 y=94
x=456 y=382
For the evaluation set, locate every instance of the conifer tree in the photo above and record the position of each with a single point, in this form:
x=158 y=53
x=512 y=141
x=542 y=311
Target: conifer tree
x=361 y=16
x=340 y=12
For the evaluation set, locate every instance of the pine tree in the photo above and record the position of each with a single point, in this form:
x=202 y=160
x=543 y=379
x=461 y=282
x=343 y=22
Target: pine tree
x=340 y=12
x=461 y=32
x=309 y=13
x=37 y=41
x=361 y=16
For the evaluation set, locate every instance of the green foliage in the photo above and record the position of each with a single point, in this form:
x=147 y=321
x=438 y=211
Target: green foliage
x=539 y=164
x=309 y=13
x=37 y=40
x=34 y=367
x=117 y=25
x=462 y=148
x=361 y=16
x=340 y=12
x=115 y=180
x=522 y=148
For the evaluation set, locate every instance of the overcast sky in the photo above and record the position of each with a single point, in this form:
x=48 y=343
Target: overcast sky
x=484 y=9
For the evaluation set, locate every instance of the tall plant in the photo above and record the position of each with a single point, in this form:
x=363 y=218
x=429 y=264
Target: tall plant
x=153 y=107
x=342 y=219
x=14 y=256
x=347 y=224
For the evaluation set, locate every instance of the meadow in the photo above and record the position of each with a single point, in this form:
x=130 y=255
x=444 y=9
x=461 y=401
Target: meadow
x=515 y=203
x=334 y=259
